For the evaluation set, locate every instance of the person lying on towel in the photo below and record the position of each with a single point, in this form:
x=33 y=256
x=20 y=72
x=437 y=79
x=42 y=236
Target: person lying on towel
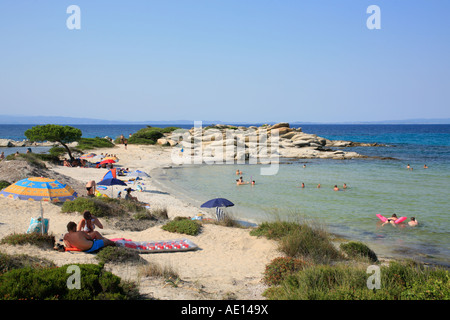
x=84 y=242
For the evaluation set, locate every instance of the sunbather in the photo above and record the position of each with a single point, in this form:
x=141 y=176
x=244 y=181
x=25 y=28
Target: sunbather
x=88 y=224
x=82 y=241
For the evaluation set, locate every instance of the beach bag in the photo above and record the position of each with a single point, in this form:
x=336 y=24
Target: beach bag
x=36 y=226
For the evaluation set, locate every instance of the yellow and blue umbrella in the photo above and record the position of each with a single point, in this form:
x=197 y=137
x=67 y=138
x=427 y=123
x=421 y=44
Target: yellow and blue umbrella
x=88 y=156
x=39 y=189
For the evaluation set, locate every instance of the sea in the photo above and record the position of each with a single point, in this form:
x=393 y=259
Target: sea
x=380 y=184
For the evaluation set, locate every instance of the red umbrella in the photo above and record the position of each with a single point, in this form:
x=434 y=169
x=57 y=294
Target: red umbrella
x=107 y=161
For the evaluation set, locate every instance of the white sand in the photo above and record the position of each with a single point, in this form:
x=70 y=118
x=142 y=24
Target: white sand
x=229 y=264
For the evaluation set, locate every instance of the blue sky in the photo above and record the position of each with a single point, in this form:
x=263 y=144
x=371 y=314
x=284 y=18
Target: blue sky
x=233 y=60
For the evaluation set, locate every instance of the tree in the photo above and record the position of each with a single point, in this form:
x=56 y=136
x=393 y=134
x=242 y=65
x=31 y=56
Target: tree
x=54 y=133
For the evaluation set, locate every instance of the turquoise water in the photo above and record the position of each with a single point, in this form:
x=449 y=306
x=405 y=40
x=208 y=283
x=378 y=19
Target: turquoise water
x=374 y=186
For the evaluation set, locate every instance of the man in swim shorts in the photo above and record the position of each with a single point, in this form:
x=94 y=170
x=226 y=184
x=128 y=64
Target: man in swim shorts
x=81 y=240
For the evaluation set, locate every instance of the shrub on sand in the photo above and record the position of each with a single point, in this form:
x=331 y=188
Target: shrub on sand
x=37 y=239
x=183 y=225
x=279 y=268
x=358 y=250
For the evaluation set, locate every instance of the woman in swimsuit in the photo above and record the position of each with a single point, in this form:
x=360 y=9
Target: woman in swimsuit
x=88 y=224
x=391 y=220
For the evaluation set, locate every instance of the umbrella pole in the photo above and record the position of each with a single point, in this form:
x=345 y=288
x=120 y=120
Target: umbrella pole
x=42 y=218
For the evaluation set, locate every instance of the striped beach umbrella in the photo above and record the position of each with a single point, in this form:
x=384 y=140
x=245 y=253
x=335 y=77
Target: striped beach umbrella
x=88 y=156
x=111 y=158
x=39 y=189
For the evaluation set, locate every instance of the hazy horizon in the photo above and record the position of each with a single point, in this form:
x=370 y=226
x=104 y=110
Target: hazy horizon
x=18 y=119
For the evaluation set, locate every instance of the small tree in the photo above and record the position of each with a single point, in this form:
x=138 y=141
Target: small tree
x=54 y=133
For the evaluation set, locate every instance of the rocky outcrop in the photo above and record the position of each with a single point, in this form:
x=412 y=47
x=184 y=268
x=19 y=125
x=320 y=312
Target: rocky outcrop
x=265 y=142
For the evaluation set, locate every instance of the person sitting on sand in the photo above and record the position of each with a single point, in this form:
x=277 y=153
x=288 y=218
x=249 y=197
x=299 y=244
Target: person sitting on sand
x=90 y=188
x=88 y=224
x=128 y=195
x=413 y=222
x=2 y=156
x=81 y=240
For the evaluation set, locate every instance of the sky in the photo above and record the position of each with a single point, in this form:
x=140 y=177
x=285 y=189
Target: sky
x=226 y=60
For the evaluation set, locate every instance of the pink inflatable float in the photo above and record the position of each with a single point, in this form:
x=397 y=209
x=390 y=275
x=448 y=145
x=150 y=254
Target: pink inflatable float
x=384 y=219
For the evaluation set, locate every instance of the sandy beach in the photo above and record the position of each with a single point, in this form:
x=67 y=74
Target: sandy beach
x=228 y=264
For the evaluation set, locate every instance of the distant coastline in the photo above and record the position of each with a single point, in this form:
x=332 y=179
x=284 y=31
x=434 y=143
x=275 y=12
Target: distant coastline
x=19 y=119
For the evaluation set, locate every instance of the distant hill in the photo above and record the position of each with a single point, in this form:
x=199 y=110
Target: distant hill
x=19 y=119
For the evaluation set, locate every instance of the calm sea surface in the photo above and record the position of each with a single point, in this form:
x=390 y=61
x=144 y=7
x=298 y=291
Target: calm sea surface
x=374 y=186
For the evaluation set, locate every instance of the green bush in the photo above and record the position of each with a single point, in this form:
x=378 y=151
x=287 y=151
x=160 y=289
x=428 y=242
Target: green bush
x=52 y=284
x=31 y=158
x=10 y=262
x=117 y=255
x=309 y=242
x=93 y=143
x=279 y=268
x=299 y=240
x=147 y=135
x=103 y=207
x=356 y=249
x=4 y=184
x=183 y=225
x=274 y=230
x=82 y=204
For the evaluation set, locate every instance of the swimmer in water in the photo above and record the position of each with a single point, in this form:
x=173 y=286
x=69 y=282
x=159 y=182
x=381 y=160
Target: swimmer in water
x=391 y=220
x=303 y=185
x=336 y=188
x=240 y=181
x=413 y=222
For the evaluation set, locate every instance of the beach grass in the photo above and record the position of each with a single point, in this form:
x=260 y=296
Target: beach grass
x=103 y=207
x=37 y=239
x=10 y=262
x=300 y=240
x=94 y=143
x=399 y=281
x=35 y=159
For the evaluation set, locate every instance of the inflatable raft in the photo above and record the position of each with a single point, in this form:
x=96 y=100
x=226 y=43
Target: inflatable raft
x=384 y=219
x=157 y=246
